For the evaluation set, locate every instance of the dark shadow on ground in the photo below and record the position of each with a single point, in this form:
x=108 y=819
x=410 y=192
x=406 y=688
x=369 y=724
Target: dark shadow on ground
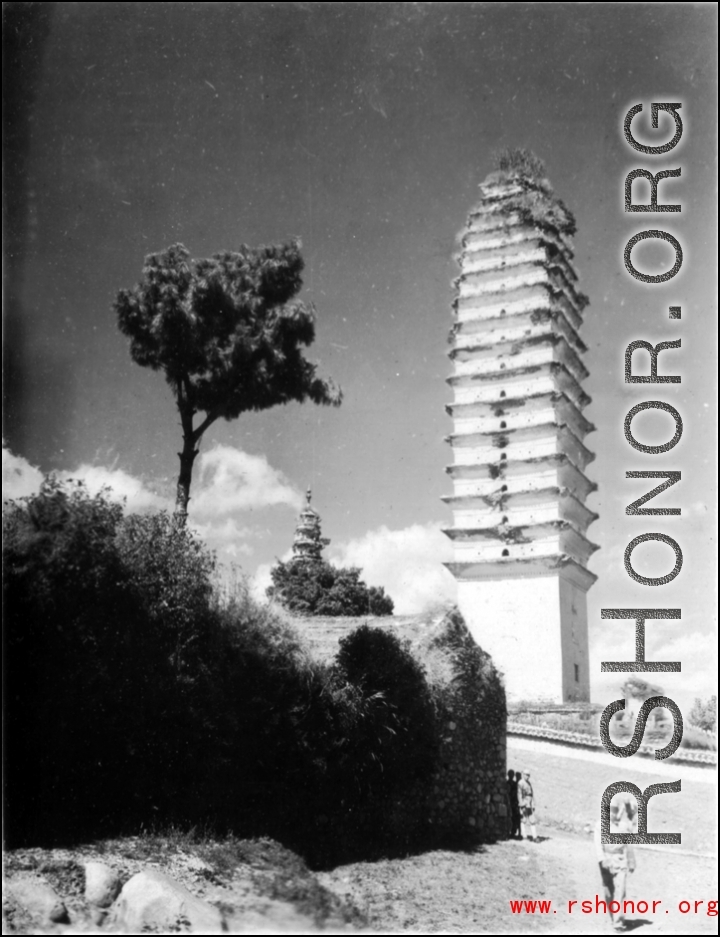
x=332 y=856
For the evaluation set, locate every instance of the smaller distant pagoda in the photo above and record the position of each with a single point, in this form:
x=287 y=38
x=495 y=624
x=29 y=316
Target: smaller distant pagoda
x=308 y=542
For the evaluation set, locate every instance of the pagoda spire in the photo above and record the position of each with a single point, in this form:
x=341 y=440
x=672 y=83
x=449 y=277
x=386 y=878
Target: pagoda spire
x=308 y=542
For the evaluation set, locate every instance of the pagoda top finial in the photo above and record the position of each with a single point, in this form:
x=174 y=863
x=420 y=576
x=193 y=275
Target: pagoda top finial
x=308 y=496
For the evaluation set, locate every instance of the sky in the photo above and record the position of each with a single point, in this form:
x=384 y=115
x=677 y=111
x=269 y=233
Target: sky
x=364 y=129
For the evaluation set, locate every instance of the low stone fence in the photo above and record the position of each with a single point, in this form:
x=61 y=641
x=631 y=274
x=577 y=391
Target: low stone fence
x=581 y=740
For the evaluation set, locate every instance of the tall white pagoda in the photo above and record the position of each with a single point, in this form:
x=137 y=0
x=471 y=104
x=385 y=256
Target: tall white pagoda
x=519 y=487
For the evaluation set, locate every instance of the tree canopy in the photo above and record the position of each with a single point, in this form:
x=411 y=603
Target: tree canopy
x=318 y=588
x=704 y=714
x=227 y=333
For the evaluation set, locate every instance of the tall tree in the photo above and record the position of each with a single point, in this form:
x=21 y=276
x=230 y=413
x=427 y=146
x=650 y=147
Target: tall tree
x=228 y=334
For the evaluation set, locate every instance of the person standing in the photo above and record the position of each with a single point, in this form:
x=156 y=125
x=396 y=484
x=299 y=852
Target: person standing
x=514 y=807
x=526 y=801
x=616 y=861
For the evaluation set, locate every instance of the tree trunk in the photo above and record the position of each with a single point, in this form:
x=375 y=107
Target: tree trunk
x=182 y=496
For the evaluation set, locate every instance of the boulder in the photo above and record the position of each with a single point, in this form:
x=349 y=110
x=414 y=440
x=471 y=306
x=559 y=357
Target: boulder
x=153 y=901
x=102 y=884
x=37 y=898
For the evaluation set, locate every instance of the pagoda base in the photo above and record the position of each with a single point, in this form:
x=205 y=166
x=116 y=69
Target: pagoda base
x=536 y=625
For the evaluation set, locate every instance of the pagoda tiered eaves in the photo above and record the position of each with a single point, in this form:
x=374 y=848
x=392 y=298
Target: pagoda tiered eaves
x=308 y=541
x=518 y=439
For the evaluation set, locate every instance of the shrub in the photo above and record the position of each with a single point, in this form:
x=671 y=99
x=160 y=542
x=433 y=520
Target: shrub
x=703 y=714
x=70 y=614
x=537 y=204
x=136 y=696
x=394 y=743
x=111 y=651
x=171 y=571
x=697 y=739
x=521 y=162
x=318 y=588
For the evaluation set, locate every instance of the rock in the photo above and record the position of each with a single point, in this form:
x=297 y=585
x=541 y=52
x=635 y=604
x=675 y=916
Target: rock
x=98 y=916
x=37 y=898
x=152 y=900
x=102 y=884
x=196 y=864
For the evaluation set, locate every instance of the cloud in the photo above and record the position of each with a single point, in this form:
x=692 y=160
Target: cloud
x=19 y=477
x=226 y=537
x=260 y=581
x=139 y=497
x=407 y=563
x=669 y=640
x=231 y=480
x=227 y=483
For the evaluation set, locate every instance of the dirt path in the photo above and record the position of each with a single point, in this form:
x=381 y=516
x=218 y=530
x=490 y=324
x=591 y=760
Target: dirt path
x=469 y=892
x=264 y=888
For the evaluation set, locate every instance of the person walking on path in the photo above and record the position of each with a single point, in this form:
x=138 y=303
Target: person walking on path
x=617 y=861
x=526 y=801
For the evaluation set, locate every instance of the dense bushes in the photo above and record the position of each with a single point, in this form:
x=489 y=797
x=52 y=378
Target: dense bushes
x=394 y=745
x=318 y=588
x=135 y=696
x=107 y=663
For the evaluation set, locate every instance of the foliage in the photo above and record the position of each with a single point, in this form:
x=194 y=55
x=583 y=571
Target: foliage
x=173 y=574
x=696 y=739
x=228 y=334
x=585 y=723
x=65 y=594
x=111 y=649
x=387 y=673
x=318 y=588
x=473 y=684
x=138 y=697
x=704 y=714
x=640 y=688
x=537 y=204
x=521 y=162
x=325 y=746
x=584 y=718
x=543 y=210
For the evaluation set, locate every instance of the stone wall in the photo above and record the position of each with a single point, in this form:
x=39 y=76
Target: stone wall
x=466 y=796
